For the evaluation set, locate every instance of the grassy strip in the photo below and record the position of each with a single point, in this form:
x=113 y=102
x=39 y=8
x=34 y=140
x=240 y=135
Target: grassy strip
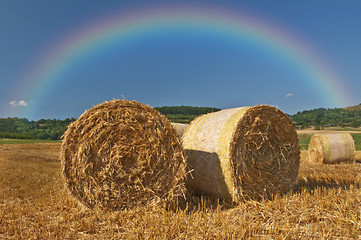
x=25 y=141
x=347 y=129
x=357 y=138
x=304 y=140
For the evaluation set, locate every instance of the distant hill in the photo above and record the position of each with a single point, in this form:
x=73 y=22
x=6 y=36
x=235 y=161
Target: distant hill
x=22 y=128
x=322 y=117
x=354 y=108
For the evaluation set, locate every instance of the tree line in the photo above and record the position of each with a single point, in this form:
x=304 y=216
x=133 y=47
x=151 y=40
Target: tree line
x=54 y=129
x=22 y=128
x=184 y=114
x=322 y=117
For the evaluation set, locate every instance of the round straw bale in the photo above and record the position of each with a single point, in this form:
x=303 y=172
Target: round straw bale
x=331 y=148
x=242 y=153
x=121 y=154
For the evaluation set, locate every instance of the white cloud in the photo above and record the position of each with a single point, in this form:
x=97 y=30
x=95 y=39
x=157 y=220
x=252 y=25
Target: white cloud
x=23 y=103
x=289 y=95
x=20 y=103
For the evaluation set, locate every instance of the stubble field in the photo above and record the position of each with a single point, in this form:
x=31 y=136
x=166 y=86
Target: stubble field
x=34 y=204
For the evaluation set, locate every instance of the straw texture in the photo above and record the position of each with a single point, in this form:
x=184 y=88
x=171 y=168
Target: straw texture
x=121 y=154
x=242 y=153
x=331 y=148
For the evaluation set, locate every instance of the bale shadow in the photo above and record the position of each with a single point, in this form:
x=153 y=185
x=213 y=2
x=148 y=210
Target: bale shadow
x=205 y=183
x=205 y=174
x=210 y=196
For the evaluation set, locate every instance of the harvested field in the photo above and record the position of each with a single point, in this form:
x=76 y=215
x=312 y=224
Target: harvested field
x=35 y=205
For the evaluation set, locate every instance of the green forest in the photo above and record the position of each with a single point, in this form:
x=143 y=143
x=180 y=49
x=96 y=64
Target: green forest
x=22 y=128
x=53 y=129
x=184 y=114
x=321 y=117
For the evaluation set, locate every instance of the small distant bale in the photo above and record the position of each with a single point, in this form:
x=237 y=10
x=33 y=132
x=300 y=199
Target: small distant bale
x=331 y=148
x=122 y=154
x=242 y=153
x=179 y=128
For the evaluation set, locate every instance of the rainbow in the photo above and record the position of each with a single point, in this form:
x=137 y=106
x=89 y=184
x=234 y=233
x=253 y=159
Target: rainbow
x=139 y=22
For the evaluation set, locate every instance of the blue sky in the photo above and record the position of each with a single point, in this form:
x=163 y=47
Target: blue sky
x=183 y=66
